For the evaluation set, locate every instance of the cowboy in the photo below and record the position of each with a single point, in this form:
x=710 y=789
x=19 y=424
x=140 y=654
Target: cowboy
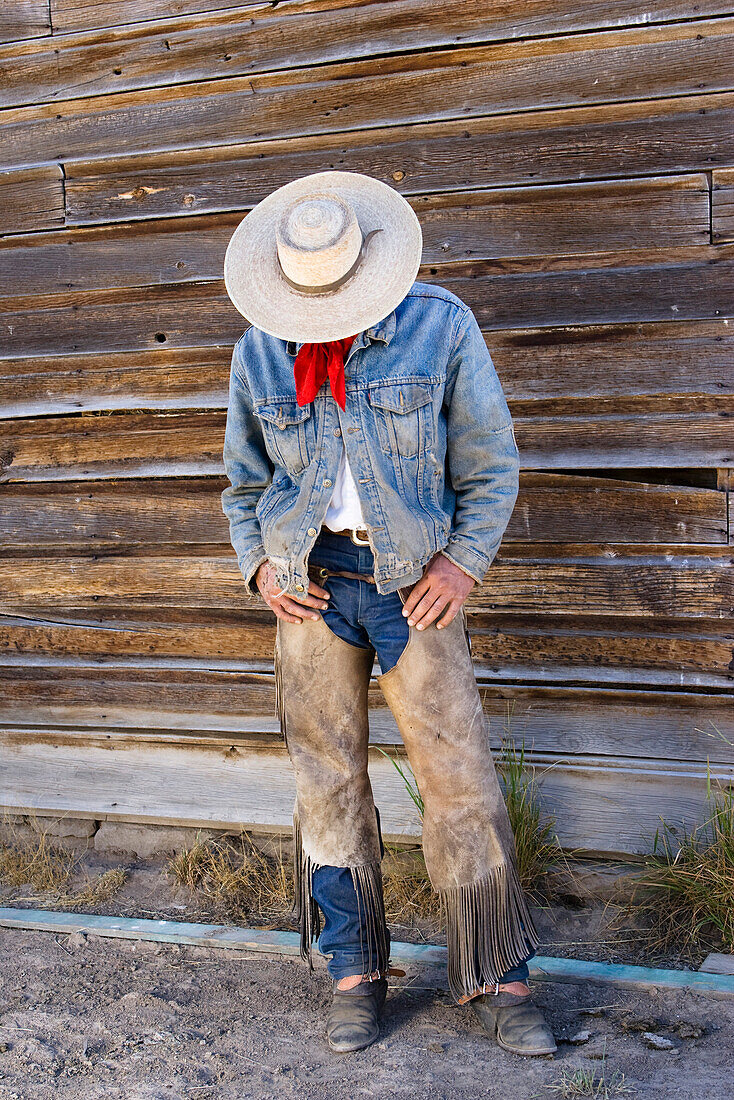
x=373 y=470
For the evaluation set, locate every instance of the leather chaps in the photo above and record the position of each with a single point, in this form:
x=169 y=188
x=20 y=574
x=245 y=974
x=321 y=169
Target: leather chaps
x=468 y=844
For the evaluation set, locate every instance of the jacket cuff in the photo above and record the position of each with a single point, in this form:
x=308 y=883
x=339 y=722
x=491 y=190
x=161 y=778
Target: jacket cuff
x=249 y=566
x=470 y=561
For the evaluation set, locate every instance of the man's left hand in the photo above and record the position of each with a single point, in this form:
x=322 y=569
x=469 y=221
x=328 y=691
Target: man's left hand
x=441 y=591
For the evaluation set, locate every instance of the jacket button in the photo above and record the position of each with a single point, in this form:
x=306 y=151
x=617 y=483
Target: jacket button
x=299 y=588
x=327 y=482
x=311 y=531
x=337 y=431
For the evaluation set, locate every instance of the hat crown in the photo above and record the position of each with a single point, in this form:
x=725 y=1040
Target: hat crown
x=318 y=239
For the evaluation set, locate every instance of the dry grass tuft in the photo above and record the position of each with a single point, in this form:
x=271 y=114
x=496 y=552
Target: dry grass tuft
x=97 y=890
x=410 y=900
x=42 y=862
x=48 y=867
x=236 y=878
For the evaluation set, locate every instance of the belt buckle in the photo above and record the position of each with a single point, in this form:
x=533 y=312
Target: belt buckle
x=357 y=541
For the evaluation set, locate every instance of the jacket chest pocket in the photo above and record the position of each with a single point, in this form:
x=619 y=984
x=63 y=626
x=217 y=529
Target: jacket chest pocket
x=289 y=432
x=403 y=414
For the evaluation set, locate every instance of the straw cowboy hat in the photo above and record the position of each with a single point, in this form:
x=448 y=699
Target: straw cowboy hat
x=323 y=257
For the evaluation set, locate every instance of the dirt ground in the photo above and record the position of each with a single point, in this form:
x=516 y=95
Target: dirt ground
x=86 y=1018
x=92 y=1018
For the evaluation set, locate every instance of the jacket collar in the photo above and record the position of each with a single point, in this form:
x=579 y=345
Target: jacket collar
x=384 y=330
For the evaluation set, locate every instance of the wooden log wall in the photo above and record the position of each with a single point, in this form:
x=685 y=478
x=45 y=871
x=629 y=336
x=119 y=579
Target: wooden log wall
x=572 y=167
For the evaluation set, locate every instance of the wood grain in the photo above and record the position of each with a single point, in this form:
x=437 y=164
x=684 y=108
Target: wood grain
x=540 y=221
x=696 y=584
x=176 y=444
x=599 y=804
x=260 y=37
x=24 y=19
x=542 y=648
x=129 y=515
x=630 y=288
x=644 y=138
x=676 y=358
x=722 y=212
x=197 y=702
x=31 y=198
x=596 y=67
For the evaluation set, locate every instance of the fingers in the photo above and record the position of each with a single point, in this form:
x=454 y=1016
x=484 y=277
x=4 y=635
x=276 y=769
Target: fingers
x=316 y=590
x=418 y=590
x=449 y=614
x=281 y=614
x=428 y=609
x=295 y=607
x=308 y=600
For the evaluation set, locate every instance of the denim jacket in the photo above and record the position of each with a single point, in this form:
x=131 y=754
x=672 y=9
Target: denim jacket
x=427 y=431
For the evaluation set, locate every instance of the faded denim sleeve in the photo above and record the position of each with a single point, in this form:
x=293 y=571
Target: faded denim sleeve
x=249 y=469
x=482 y=455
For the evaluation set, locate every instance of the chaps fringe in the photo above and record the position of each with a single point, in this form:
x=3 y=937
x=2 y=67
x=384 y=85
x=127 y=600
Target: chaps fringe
x=367 y=879
x=485 y=936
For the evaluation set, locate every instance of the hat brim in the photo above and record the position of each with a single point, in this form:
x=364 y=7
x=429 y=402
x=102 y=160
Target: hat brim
x=255 y=283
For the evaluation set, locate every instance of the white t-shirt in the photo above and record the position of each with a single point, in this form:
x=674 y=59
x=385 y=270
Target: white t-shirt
x=344 y=509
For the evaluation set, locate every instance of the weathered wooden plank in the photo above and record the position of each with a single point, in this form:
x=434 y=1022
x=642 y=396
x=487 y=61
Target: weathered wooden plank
x=656 y=652
x=165 y=698
x=75 y=15
x=31 y=198
x=722 y=210
x=680 y=438
x=596 y=67
x=565 y=219
x=597 y=361
x=636 y=286
x=24 y=19
x=141 y=513
x=262 y=37
x=165 y=378
x=531 y=147
x=187 y=444
x=600 y=361
x=599 y=803
x=695 y=584
x=630 y=288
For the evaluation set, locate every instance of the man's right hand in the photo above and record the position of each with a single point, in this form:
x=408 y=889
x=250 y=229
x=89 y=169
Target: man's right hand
x=291 y=608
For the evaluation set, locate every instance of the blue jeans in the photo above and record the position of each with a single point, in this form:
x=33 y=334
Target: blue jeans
x=362 y=616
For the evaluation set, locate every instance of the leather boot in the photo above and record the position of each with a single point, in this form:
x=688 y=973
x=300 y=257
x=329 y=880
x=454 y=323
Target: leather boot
x=468 y=843
x=353 y=1020
x=321 y=697
x=515 y=1022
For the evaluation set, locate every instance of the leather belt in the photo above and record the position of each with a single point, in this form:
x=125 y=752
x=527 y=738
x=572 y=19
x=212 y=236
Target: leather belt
x=320 y=573
x=353 y=533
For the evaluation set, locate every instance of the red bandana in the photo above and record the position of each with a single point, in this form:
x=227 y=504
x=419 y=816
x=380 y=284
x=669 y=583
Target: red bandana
x=314 y=363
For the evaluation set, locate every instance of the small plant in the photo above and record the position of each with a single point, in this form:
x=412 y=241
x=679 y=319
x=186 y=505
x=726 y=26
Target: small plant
x=691 y=880
x=94 y=891
x=406 y=774
x=587 y=1082
x=40 y=860
x=535 y=841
